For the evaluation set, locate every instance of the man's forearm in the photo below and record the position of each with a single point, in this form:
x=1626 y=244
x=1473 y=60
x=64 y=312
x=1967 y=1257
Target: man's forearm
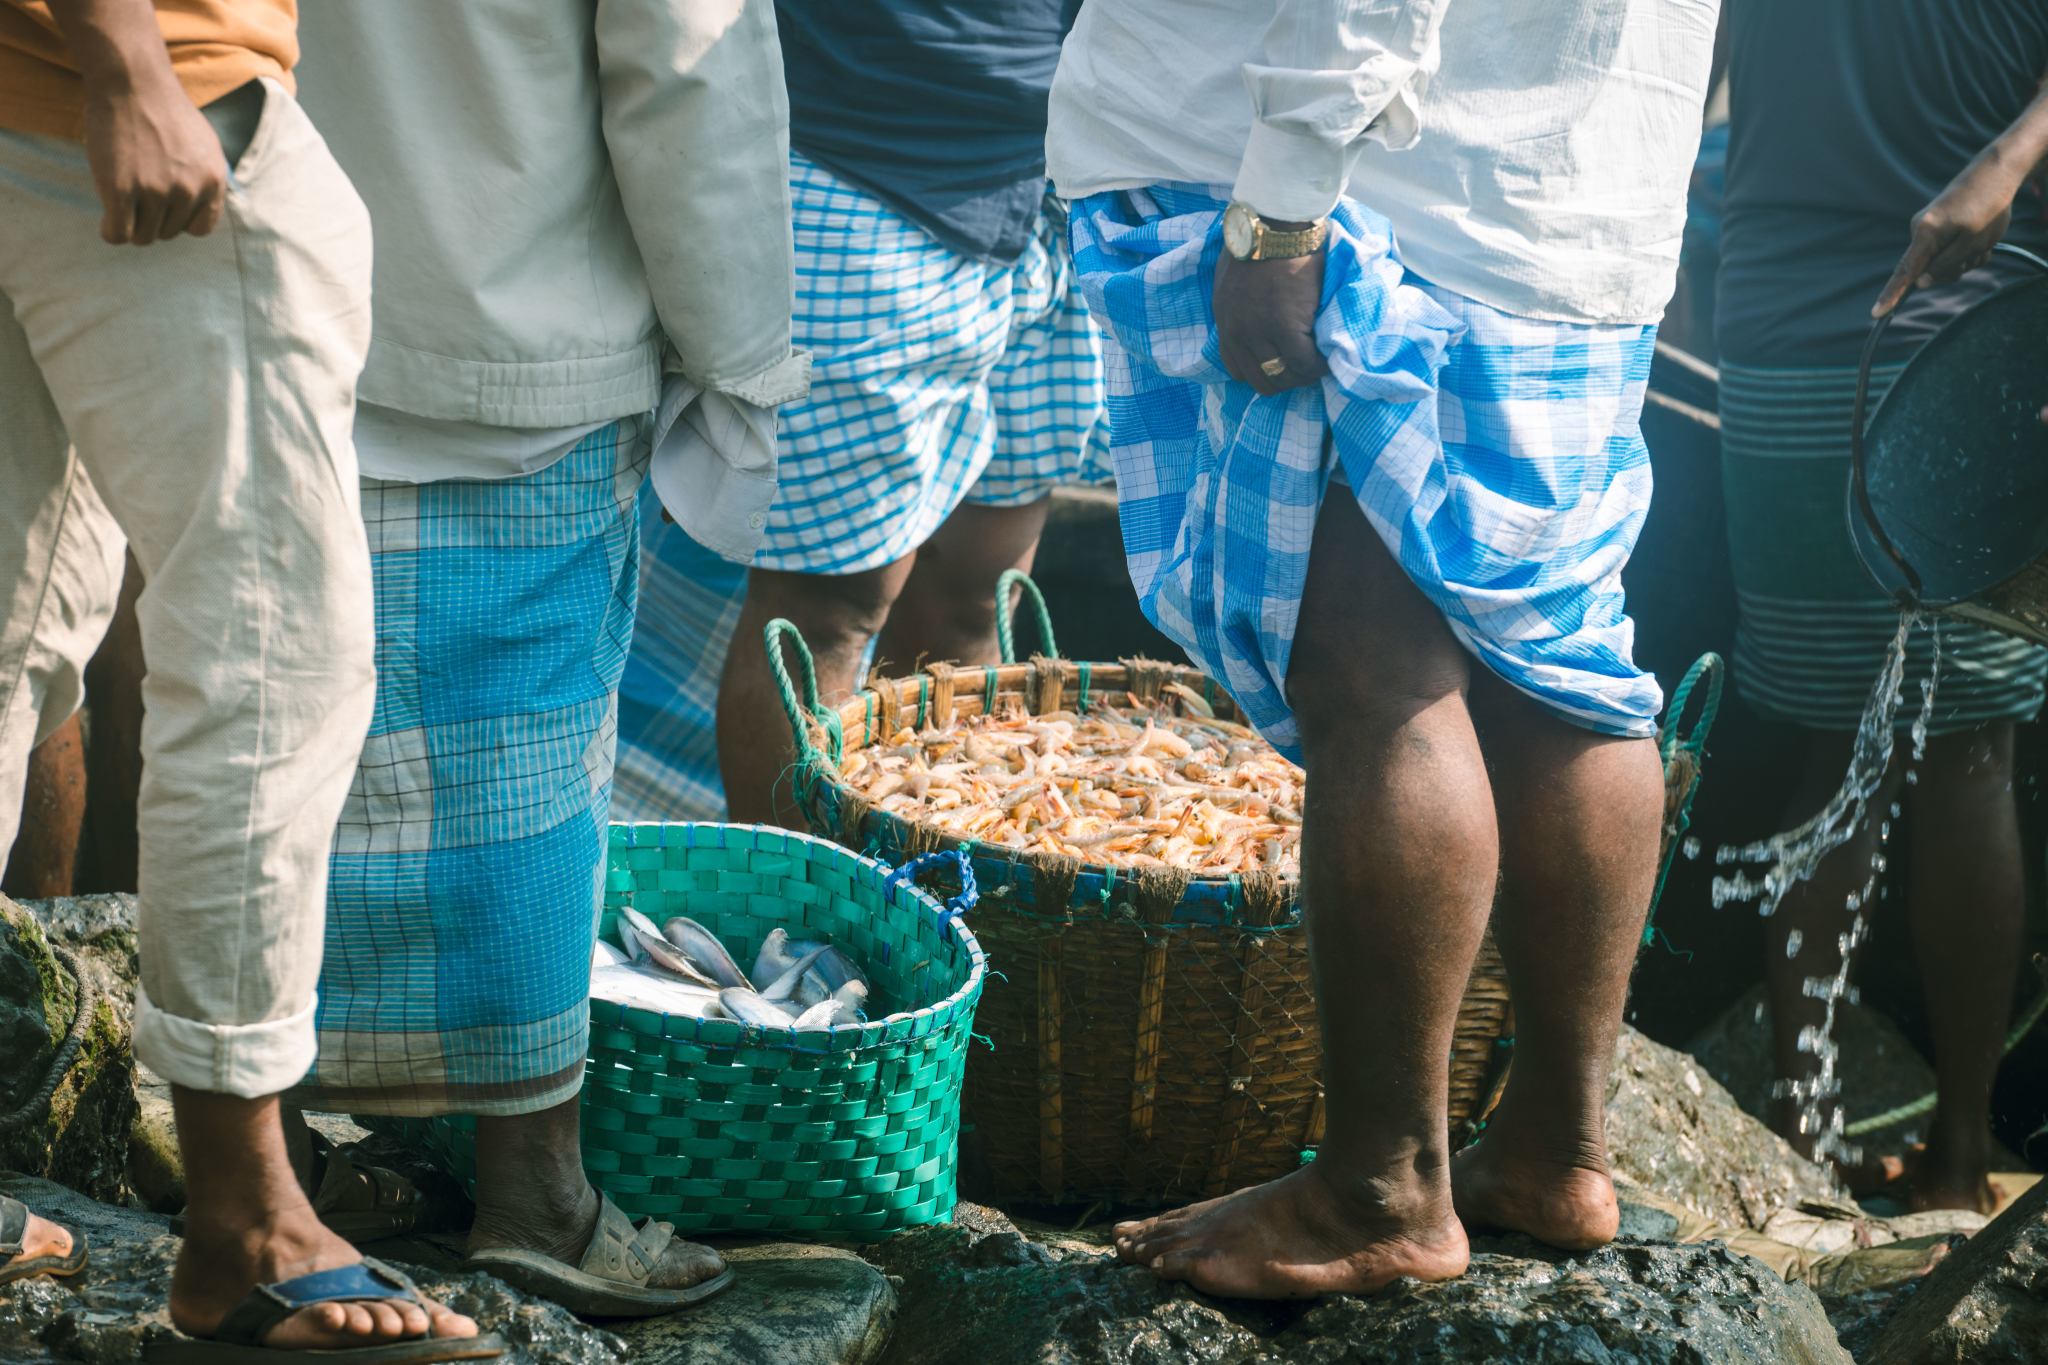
x=117 y=43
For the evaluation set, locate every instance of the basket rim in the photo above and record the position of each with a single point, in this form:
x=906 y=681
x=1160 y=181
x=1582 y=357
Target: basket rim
x=925 y=1023
x=1096 y=882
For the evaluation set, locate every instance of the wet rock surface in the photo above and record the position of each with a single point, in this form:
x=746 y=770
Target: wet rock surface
x=80 y=1135
x=1880 y=1069
x=791 y=1305
x=1988 y=1301
x=1675 y=1131
x=979 y=1293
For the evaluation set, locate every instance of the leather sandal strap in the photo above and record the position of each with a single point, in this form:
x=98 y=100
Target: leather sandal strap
x=265 y=1306
x=13 y=1225
x=623 y=1250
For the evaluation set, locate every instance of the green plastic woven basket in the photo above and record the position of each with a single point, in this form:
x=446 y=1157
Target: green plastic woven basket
x=714 y=1125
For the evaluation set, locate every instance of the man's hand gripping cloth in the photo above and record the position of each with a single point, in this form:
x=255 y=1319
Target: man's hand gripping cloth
x=1498 y=457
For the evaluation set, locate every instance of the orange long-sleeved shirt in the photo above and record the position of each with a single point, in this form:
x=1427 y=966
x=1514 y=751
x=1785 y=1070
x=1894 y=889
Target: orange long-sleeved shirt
x=215 y=46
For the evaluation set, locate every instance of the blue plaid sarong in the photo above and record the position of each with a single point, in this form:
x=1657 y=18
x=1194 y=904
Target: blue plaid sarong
x=935 y=378
x=1498 y=457
x=466 y=871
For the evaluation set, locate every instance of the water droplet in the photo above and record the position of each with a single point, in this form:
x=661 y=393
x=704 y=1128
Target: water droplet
x=1792 y=942
x=1691 y=846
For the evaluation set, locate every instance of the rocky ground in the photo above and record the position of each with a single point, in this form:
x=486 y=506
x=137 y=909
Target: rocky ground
x=1733 y=1249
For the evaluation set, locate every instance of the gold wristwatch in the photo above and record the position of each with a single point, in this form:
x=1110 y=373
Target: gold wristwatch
x=1246 y=236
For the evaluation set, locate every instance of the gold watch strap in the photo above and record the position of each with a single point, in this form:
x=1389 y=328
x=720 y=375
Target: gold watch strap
x=1279 y=246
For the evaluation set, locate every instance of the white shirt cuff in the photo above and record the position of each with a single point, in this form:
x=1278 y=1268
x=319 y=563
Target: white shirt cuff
x=714 y=466
x=1287 y=176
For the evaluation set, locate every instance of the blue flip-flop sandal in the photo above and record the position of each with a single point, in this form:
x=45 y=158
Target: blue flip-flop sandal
x=239 y=1338
x=14 y=1231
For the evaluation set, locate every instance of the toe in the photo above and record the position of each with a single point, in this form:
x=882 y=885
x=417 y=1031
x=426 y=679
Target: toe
x=686 y=1264
x=449 y=1323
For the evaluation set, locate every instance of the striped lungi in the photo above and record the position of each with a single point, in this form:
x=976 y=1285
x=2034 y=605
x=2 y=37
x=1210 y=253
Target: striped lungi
x=1498 y=457
x=467 y=866
x=1814 y=630
x=935 y=378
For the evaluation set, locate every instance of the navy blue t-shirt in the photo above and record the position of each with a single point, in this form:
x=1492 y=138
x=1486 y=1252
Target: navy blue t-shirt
x=1845 y=118
x=936 y=106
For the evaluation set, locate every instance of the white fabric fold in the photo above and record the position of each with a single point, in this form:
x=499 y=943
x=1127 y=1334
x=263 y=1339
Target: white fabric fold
x=249 y=1060
x=714 y=465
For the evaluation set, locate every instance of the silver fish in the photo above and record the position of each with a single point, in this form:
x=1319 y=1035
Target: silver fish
x=651 y=989
x=834 y=967
x=705 y=951
x=852 y=996
x=774 y=958
x=605 y=955
x=750 y=1008
x=784 y=986
x=664 y=953
x=824 y=1014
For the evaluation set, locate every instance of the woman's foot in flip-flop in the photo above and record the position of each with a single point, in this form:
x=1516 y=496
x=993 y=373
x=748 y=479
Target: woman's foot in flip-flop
x=219 y=1264
x=32 y=1245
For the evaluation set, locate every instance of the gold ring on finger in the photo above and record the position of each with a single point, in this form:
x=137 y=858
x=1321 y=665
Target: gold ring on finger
x=1274 y=367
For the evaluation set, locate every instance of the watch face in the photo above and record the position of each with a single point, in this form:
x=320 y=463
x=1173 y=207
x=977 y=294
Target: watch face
x=1239 y=231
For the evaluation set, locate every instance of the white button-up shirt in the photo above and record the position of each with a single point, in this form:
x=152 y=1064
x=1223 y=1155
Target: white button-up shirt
x=1531 y=154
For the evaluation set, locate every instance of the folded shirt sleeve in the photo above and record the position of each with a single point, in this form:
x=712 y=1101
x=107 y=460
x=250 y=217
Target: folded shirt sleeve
x=1335 y=75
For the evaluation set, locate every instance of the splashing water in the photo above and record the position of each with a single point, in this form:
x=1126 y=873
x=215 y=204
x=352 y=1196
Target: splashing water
x=1793 y=856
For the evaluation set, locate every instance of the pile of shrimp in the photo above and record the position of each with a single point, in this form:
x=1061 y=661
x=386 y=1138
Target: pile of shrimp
x=1137 y=788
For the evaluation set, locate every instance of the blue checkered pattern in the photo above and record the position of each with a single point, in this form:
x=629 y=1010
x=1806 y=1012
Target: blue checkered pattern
x=466 y=873
x=690 y=600
x=935 y=378
x=1498 y=457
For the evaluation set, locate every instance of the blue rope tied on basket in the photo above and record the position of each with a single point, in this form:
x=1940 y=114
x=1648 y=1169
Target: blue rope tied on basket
x=1013 y=578
x=1710 y=669
x=962 y=901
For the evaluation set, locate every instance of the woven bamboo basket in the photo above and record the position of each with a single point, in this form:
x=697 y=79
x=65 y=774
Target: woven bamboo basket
x=1154 y=1033
x=719 y=1126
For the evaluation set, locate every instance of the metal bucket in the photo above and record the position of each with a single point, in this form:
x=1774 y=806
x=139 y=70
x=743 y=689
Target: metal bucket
x=1948 y=492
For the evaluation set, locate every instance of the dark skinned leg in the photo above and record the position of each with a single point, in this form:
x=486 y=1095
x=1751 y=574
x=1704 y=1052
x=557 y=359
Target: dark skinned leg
x=52 y=815
x=532 y=1194
x=1399 y=861
x=1581 y=815
x=249 y=1223
x=838 y=614
x=947 y=609
x=113 y=689
x=1818 y=910
x=1967 y=899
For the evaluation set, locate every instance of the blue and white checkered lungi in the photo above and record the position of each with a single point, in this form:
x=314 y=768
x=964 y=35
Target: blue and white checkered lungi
x=466 y=872
x=1498 y=457
x=935 y=378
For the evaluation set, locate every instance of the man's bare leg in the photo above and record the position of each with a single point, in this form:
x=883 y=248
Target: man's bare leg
x=947 y=609
x=531 y=1194
x=1580 y=815
x=936 y=604
x=247 y=1223
x=1968 y=899
x=1399 y=858
x=838 y=614
x=45 y=852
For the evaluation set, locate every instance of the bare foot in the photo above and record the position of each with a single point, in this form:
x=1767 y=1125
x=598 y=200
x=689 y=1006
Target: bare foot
x=1297 y=1237
x=560 y=1224
x=218 y=1264
x=43 y=1238
x=1566 y=1204
x=1944 y=1179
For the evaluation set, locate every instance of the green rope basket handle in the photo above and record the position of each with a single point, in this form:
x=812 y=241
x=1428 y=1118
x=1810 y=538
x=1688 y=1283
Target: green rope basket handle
x=812 y=767
x=1710 y=669
x=1012 y=578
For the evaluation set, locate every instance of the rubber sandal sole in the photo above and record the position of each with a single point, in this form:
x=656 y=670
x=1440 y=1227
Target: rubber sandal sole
x=59 y=1266
x=184 y=1350
x=588 y=1295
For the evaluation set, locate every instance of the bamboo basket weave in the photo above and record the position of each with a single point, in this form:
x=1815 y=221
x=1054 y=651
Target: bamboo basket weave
x=1154 y=1033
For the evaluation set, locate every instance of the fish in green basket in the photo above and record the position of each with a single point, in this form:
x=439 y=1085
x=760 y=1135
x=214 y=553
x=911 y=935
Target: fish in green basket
x=605 y=955
x=833 y=969
x=750 y=1007
x=784 y=987
x=705 y=951
x=639 y=931
x=649 y=988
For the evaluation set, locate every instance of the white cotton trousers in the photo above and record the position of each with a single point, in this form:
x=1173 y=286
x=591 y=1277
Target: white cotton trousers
x=195 y=397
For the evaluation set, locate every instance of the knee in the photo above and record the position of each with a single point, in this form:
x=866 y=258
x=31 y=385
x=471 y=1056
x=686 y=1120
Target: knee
x=834 y=611
x=1336 y=685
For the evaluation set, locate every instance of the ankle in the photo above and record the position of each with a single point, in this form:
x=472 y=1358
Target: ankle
x=1414 y=1189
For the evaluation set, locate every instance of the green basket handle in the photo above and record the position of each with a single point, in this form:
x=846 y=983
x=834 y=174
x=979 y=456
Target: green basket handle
x=1012 y=578
x=773 y=636
x=1710 y=668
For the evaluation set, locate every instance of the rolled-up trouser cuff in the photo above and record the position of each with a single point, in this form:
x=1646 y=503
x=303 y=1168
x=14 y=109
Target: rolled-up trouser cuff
x=248 y=1060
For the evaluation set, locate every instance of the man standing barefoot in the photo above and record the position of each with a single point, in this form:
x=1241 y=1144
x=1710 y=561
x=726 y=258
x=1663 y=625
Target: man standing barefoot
x=1345 y=479
x=184 y=309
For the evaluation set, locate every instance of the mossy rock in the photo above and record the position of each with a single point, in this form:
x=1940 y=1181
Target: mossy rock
x=80 y=1139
